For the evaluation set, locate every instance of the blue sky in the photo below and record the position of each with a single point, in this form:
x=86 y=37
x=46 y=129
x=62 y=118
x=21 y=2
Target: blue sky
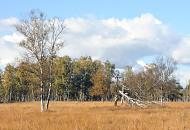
x=173 y=12
x=122 y=31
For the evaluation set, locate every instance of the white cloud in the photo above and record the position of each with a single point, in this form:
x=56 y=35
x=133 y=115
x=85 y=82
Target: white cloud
x=122 y=41
x=9 y=21
x=183 y=74
x=182 y=53
x=141 y=63
x=8 y=49
x=14 y=38
x=8 y=52
x=7 y=25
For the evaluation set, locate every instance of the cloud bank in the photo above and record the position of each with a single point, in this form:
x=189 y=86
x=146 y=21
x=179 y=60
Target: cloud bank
x=122 y=41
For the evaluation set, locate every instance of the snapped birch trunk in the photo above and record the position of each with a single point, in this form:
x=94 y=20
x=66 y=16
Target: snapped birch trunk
x=48 y=98
x=115 y=100
x=122 y=97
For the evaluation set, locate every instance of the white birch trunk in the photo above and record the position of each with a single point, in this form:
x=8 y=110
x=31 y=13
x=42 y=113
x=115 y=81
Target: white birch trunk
x=161 y=100
x=42 y=100
x=41 y=85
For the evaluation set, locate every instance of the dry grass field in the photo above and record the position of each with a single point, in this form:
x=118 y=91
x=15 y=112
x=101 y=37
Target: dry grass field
x=93 y=116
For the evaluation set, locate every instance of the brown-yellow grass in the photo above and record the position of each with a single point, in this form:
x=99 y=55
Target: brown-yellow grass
x=93 y=116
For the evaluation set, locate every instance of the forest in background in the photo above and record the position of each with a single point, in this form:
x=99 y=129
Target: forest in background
x=87 y=80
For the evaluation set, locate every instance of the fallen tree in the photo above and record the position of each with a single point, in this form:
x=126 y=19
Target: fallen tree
x=124 y=94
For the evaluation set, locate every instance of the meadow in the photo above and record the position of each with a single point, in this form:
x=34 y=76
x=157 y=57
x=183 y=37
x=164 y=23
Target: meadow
x=94 y=116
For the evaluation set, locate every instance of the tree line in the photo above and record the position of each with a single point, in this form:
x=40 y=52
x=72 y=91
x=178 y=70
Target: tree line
x=79 y=79
x=85 y=80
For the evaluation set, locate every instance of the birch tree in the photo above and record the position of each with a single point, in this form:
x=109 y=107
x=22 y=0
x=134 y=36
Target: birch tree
x=43 y=39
